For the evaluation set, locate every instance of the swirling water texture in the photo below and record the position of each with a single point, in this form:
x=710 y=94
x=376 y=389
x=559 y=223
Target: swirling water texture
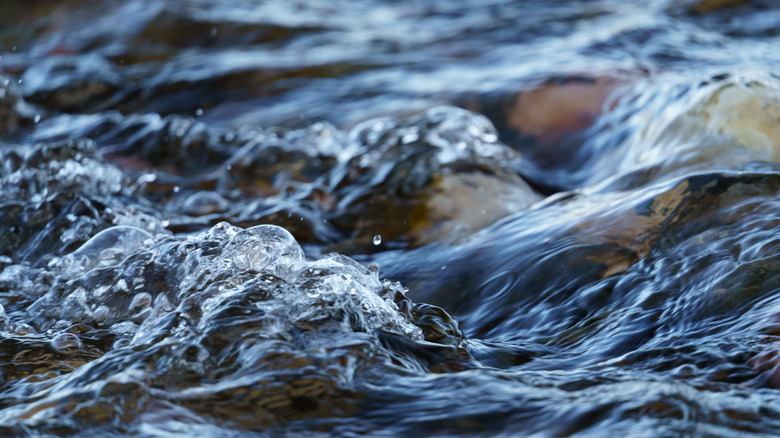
x=576 y=204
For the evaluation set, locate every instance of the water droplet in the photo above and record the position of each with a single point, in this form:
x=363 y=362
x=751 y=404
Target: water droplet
x=377 y=239
x=199 y=112
x=37 y=118
x=176 y=189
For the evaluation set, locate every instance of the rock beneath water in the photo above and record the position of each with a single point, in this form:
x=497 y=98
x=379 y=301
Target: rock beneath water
x=76 y=83
x=440 y=175
x=727 y=123
x=548 y=122
x=274 y=158
x=707 y=6
x=747 y=112
x=560 y=107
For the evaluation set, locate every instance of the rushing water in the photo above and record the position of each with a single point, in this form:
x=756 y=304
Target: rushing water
x=389 y=218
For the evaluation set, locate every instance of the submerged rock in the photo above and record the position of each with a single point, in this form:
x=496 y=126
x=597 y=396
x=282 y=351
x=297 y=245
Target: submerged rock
x=669 y=127
x=707 y=6
x=727 y=123
x=560 y=107
x=440 y=175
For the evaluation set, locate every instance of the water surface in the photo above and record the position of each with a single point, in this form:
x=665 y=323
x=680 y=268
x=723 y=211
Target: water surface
x=389 y=218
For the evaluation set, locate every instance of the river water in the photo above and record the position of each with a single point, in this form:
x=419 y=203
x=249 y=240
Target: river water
x=389 y=218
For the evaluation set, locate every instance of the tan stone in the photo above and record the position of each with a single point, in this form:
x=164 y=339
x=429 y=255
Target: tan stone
x=557 y=108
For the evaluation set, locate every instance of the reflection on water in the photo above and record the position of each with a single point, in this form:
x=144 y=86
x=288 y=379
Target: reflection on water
x=389 y=218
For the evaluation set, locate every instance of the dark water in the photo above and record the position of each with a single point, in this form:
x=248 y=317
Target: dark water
x=389 y=218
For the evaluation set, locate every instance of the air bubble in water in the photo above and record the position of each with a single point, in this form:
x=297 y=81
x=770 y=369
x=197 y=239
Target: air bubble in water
x=108 y=247
x=66 y=343
x=203 y=203
x=264 y=247
x=377 y=239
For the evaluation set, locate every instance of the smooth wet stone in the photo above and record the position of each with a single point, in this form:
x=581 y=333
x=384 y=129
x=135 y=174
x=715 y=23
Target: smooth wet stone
x=549 y=122
x=561 y=106
x=746 y=112
x=726 y=123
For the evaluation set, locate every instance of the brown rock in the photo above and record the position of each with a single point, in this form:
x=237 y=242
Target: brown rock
x=560 y=106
